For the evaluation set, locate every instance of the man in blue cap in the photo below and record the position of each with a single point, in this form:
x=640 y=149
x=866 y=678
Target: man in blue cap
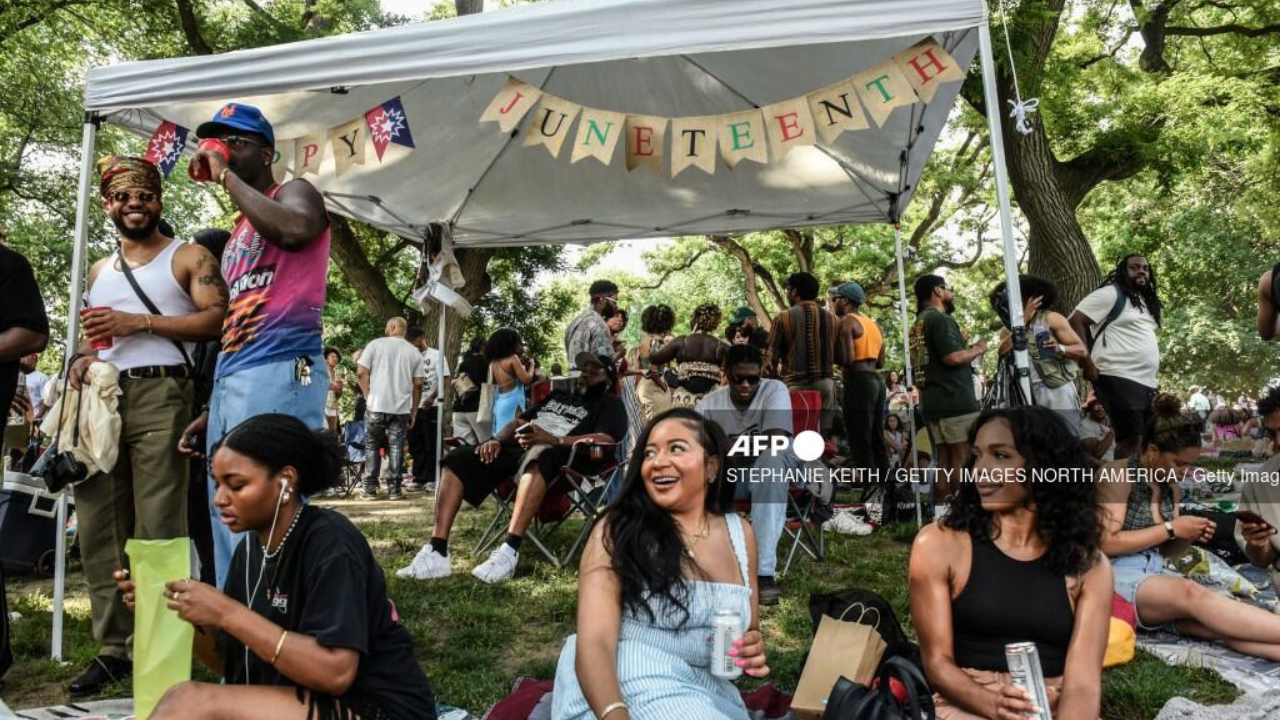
x=865 y=393
x=275 y=265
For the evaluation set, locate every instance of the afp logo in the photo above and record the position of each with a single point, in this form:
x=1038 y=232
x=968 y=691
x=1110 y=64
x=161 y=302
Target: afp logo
x=808 y=445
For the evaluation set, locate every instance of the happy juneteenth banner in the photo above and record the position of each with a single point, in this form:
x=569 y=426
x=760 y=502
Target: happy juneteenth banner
x=757 y=135
x=382 y=127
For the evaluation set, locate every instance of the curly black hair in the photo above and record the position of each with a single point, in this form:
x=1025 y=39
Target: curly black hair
x=1068 y=516
x=706 y=317
x=503 y=343
x=1029 y=286
x=1150 y=295
x=658 y=319
x=647 y=551
x=1171 y=428
x=1269 y=402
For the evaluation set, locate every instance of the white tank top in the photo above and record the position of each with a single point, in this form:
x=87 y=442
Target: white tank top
x=111 y=289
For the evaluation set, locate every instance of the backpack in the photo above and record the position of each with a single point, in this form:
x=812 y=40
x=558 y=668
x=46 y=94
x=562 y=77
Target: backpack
x=1116 y=308
x=837 y=603
x=852 y=701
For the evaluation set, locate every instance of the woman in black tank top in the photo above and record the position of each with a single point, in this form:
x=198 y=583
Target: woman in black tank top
x=1017 y=560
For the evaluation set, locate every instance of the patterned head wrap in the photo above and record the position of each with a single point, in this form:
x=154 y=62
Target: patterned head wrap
x=124 y=171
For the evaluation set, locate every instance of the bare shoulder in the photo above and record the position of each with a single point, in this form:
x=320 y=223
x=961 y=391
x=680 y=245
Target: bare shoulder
x=935 y=538
x=195 y=256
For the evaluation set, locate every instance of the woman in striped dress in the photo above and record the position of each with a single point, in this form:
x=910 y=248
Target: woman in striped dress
x=667 y=556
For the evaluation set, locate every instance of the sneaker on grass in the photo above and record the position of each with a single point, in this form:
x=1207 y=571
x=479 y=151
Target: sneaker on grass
x=500 y=566
x=427 y=565
x=846 y=523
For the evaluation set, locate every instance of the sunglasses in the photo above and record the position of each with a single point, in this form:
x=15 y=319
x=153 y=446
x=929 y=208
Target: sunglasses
x=143 y=196
x=237 y=141
x=748 y=379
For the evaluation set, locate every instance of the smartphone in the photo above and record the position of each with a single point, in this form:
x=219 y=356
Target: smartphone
x=194 y=442
x=1250 y=516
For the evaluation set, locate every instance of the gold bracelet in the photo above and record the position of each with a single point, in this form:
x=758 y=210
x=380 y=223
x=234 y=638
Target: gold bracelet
x=279 y=647
x=149 y=323
x=222 y=177
x=615 y=706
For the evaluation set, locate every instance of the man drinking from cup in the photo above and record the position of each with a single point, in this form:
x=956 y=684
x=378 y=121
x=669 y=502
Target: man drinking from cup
x=147 y=302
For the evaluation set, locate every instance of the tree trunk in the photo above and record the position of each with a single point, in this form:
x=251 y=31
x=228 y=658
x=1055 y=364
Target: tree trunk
x=1059 y=250
x=366 y=279
x=468 y=7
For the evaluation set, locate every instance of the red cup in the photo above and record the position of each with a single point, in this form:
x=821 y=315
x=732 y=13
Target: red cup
x=97 y=343
x=198 y=169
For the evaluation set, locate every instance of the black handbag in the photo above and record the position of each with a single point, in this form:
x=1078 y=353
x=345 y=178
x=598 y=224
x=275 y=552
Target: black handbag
x=853 y=701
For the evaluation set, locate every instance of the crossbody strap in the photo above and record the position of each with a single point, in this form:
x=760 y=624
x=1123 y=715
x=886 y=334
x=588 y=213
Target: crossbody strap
x=137 y=290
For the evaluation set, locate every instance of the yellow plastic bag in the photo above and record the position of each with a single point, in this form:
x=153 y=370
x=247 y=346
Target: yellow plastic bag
x=161 y=640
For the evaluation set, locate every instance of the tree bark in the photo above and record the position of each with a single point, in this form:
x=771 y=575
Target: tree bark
x=191 y=28
x=468 y=7
x=364 y=277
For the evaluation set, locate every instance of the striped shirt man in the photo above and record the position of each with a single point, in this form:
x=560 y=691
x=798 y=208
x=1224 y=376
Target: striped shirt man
x=802 y=340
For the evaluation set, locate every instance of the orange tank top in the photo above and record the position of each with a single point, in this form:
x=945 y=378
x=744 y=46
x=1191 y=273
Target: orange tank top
x=869 y=345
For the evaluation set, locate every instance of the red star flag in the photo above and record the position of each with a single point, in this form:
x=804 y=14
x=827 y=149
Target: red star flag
x=388 y=125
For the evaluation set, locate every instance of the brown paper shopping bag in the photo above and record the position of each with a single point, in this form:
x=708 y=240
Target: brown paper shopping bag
x=841 y=647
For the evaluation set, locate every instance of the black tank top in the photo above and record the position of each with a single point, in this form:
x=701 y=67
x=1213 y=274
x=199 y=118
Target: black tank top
x=1009 y=601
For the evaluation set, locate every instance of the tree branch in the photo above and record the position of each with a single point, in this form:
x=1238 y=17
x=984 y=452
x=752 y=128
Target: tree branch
x=385 y=257
x=364 y=277
x=671 y=271
x=1124 y=40
x=191 y=28
x=1229 y=29
x=749 y=275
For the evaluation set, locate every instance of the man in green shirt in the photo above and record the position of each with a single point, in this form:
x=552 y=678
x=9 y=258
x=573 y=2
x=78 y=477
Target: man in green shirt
x=944 y=372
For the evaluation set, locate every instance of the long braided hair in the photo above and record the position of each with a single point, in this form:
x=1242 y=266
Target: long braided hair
x=1138 y=296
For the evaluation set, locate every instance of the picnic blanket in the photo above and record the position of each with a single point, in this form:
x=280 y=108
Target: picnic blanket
x=531 y=700
x=1246 y=707
x=123 y=710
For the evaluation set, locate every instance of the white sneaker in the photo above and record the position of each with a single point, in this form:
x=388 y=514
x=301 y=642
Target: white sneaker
x=427 y=565
x=500 y=566
x=846 y=523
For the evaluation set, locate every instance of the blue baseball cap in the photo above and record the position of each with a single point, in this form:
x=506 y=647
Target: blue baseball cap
x=851 y=290
x=235 y=116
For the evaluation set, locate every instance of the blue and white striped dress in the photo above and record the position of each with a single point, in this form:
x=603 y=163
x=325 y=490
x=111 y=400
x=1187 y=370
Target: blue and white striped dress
x=664 y=669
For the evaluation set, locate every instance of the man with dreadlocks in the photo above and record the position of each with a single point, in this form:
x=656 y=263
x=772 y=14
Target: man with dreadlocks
x=1119 y=321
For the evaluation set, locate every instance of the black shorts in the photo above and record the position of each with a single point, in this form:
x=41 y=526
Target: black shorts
x=480 y=480
x=1128 y=404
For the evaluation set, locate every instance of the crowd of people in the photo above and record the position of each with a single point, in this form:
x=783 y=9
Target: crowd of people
x=229 y=409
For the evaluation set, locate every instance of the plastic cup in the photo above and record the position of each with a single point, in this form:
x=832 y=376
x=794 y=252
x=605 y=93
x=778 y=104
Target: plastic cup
x=197 y=169
x=97 y=343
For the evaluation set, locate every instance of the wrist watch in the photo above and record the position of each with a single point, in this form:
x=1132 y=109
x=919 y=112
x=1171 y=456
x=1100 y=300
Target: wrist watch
x=1168 y=527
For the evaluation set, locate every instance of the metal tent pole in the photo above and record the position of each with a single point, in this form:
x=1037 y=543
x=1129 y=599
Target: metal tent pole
x=906 y=364
x=992 y=98
x=79 y=246
x=440 y=390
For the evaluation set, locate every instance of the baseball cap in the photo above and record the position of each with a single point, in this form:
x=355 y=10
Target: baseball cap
x=584 y=359
x=235 y=116
x=740 y=315
x=850 y=290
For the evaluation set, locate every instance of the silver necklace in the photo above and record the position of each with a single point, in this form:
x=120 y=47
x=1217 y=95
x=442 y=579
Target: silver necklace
x=273 y=554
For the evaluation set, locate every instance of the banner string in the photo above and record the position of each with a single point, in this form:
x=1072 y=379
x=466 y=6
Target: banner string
x=1020 y=110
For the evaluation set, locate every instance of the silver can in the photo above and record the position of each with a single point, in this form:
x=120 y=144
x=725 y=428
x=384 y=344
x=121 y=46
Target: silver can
x=726 y=629
x=1025 y=672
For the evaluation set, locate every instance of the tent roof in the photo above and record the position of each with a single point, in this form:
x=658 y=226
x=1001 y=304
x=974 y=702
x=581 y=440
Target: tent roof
x=655 y=57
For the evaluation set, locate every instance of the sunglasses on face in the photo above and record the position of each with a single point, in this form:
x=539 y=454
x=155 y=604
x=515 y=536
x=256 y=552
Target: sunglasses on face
x=748 y=379
x=125 y=196
x=238 y=141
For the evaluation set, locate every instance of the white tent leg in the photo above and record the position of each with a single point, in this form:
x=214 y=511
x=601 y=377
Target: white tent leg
x=906 y=365
x=440 y=390
x=994 y=108
x=79 y=247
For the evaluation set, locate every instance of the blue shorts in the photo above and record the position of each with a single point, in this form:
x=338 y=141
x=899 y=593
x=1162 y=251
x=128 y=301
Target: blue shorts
x=270 y=388
x=1130 y=572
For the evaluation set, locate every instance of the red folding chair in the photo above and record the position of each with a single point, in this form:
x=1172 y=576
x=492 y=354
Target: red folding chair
x=804 y=524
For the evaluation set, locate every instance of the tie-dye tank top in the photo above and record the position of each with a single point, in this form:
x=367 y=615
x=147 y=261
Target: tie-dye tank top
x=276 y=298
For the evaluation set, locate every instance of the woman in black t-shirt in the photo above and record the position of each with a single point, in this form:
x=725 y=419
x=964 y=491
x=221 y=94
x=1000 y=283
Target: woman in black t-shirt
x=305 y=630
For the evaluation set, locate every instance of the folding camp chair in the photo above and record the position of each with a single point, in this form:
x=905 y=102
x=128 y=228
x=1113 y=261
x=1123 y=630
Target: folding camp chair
x=571 y=494
x=806 y=509
x=353 y=456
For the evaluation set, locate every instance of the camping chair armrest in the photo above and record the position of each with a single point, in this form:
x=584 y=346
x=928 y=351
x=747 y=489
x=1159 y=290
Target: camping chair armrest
x=587 y=445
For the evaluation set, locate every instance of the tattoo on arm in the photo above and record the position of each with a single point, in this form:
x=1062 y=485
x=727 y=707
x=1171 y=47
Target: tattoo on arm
x=210 y=273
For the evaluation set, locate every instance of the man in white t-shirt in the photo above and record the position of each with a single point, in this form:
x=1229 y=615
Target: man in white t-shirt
x=1124 y=355
x=422 y=439
x=391 y=375
x=754 y=406
x=36 y=381
x=1199 y=404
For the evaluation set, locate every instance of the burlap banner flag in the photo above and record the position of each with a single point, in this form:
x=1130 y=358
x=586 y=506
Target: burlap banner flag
x=883 y=88
x=348 y=144
x=308 y=154
x=835 y=108
x=789 y=125
x=511 y=104
x=280 y=162
x=927 y=65
x=551 y=123
x=646 y=141
x=598 y=133
x=742 y=137
x=693 y=144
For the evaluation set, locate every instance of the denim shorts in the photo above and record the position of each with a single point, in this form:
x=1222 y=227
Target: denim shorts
x=1130 y=572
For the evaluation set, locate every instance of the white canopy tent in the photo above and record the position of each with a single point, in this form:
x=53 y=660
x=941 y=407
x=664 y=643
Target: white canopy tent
x=674 y=58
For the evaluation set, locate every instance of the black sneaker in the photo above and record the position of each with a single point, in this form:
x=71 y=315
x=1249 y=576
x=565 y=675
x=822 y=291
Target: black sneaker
x=770 y=591
x=101 y=672
x=395 y=493
x=369 y=492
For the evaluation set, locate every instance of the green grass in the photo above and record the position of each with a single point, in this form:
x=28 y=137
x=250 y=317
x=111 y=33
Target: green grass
x=474 y=639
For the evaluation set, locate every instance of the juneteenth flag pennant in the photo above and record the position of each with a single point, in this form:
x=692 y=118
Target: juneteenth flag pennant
x=388 y=125
x=166 y=145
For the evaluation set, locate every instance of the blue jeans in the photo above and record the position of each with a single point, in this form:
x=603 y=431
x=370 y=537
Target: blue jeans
x=768 y=508
x=270 y=388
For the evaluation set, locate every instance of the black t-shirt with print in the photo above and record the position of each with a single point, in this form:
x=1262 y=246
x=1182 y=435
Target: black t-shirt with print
x=327 y=585
x=566 y=413
x=22 y=307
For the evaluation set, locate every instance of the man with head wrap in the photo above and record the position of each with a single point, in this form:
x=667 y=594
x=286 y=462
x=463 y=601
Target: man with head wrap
x=145 y=496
